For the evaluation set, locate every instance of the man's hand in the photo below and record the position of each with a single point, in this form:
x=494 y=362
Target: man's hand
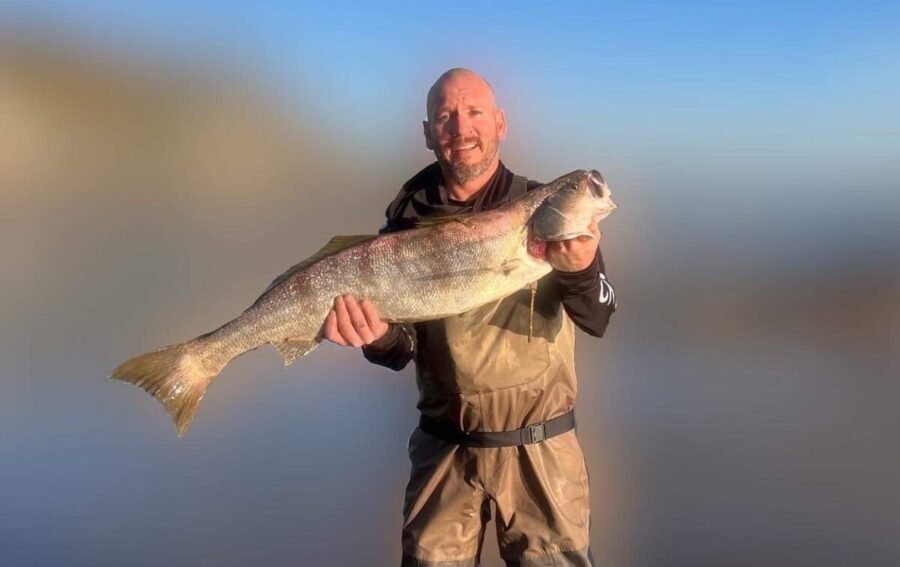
x=354 y=323
x=576 y=254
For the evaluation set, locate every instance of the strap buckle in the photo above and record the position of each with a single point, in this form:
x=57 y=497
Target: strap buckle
x=536 y=433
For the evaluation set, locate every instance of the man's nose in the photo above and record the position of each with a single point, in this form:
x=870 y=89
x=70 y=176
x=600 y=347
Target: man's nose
x=461 y=124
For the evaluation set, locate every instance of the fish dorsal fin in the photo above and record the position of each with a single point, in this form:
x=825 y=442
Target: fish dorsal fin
x=435 y=221
x=292 y=349
x=333 y=246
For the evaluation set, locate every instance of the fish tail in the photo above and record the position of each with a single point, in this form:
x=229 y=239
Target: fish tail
x=175 y=375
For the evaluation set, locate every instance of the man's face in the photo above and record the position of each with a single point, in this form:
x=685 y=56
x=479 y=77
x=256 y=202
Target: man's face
x=464 y=127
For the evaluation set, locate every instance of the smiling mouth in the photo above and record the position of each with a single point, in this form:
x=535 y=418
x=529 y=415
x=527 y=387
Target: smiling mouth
x=462 y=144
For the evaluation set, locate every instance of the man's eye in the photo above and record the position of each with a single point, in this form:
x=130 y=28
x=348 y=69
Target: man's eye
x=475 y=112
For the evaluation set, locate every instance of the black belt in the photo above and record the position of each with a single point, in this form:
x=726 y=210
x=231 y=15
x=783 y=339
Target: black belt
x=534 y=433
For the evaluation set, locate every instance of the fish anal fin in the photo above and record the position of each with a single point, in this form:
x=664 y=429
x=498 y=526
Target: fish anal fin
x=333 y=246
x=292 y=349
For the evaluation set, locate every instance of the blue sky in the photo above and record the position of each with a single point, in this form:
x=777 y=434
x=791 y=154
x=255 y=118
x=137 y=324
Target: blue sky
x=729 y=87
x=694 y=52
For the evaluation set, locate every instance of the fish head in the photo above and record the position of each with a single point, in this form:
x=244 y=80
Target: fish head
x=583 y=198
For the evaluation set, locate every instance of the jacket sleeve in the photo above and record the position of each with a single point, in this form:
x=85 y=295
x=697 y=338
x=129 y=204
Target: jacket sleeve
x=588 y=296
x=397 y=346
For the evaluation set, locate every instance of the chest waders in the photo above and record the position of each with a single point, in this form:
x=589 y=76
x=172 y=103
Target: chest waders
x=497 y=430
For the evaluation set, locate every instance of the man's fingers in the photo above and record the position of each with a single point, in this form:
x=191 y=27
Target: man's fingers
x=353 y=323
x=358 y=320
x=331 y=330
x=370 y=312
x=376 y=323
x=345 y=324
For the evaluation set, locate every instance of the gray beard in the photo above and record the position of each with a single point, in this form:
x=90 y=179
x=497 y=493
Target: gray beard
x=463 y=173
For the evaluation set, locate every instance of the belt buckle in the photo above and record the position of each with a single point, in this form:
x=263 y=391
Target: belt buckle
x=536 y=433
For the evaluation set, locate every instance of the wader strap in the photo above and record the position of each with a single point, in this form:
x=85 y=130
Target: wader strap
x=517 y=188
x=534 y=433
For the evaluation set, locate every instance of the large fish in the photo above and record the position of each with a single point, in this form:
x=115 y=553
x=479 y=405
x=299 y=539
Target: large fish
x=446 y=267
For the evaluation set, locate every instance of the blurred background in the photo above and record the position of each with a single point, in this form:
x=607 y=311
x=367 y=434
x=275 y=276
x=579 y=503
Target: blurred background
x=161 y=162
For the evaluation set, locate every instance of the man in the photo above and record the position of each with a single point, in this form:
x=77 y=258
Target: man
x=496 y=401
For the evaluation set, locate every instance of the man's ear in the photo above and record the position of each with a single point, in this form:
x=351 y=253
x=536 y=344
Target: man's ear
x=426 y=129
x=501 y=125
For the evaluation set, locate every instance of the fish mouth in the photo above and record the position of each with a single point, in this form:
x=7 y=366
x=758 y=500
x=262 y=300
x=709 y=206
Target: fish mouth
x=568 y=236
x=598 y=185
x=601 y=191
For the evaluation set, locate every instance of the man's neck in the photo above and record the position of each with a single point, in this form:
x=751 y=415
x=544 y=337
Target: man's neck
x=462 y=192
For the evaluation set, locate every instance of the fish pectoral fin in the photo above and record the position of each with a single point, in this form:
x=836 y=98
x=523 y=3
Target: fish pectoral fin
x=510 y=266
x=333 y=246
x=476 y=318
x=292 y=349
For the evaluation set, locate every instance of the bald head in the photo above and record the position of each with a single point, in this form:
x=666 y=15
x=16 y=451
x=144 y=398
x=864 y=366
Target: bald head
x=457 y=76
x=464 y=128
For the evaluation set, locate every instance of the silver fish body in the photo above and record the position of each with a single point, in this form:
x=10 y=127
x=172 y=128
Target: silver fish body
x=442 y=269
